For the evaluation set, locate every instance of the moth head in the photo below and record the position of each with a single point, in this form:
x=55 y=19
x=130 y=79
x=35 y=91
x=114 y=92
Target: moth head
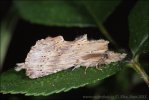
x=113 y=57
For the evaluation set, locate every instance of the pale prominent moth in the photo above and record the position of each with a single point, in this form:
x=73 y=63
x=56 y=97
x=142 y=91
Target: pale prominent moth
x=52 y=55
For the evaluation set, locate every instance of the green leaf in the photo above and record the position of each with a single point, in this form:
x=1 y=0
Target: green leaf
x=58 y=12
x=7 y=27
x=64 y=12
x=139 y=28
x=16 y=82
x=99 y=11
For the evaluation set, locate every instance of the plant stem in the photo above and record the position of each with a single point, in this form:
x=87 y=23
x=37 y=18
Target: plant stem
x=136 y=66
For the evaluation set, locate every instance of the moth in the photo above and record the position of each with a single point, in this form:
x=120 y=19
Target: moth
x=52 y=55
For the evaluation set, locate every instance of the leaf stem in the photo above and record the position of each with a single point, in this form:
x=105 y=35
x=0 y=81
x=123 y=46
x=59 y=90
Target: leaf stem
x=106 y=34
x=101 y=27
x=138 y=68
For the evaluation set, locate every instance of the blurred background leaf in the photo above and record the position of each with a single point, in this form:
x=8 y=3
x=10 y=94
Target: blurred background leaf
x=6 y=30
x=100 y=9
x=95 y=9
x=54 y=13
x=64 y=12
x=139 y=28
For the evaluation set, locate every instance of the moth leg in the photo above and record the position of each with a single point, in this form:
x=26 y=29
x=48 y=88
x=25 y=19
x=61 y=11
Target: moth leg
x=20 y=66
x=76 y=66
x=97 y=66
x=101 y=61
x=85 y=70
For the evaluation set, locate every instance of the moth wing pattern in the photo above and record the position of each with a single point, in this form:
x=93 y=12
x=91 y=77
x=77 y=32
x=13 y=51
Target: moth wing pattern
x=52 y=55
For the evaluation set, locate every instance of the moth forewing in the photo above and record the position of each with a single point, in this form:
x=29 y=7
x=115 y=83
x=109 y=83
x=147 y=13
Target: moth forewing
x=52 y=55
